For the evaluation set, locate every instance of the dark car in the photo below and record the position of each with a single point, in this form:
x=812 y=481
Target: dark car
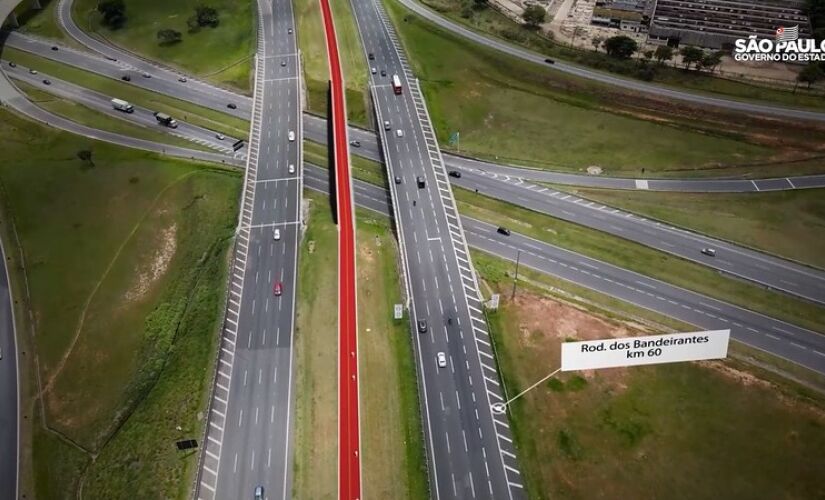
x=231 y=106
x=355 y=144
x=54 y=47
x=504 y=231
x=397 y=180
x=422 y=326
x=47 y=82
x=710 y=252
x=455 y=173
x=182 y=79
x=110 y=58
x=549 y=61
x=372 y=56
x=126 y=78
x=420 y=181
x=383 y=72
x=12 y=64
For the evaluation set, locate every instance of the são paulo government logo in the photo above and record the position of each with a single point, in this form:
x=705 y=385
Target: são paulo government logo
x=786 y=46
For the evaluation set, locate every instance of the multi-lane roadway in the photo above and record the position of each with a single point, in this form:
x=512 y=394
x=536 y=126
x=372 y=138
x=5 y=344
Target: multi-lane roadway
x=249 y=435
x=9 y=390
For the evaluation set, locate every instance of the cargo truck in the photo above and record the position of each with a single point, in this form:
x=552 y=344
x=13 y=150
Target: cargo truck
x=166 y=119
x=121 y=105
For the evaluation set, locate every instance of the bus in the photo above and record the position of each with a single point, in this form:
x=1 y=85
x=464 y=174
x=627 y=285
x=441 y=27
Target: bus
x=396 y=84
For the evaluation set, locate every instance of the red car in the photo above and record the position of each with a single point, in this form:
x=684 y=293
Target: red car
x=277 y=289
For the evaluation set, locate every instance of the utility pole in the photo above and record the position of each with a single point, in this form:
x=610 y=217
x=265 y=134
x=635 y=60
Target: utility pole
x=515 y=279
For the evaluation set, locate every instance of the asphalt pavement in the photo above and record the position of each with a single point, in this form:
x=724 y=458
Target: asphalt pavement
x=469 y=449
x=249 y=437
x=793 y=343
x=9 y=389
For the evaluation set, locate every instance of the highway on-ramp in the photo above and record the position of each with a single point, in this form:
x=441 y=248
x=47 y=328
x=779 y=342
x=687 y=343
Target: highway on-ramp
x=249 y=434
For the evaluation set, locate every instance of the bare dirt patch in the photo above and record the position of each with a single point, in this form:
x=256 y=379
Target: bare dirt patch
x=156 y=266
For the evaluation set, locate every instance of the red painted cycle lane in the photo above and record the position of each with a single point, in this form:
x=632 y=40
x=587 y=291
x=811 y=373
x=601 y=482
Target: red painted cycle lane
x=349 y=469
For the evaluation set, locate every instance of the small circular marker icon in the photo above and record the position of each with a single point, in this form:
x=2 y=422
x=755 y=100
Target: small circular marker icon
x=498 y=408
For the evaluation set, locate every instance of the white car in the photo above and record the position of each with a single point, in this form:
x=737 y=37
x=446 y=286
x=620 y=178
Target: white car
x=442 y=360
x=291 y=168
x=399 y=133
x=373 y=71
x=276 y=235
x=220 y=136
x=291 y=136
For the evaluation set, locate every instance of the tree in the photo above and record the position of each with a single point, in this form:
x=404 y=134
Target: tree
x=480 y=4
x=620 y=47
x=169 y=37
x=691 y=55
x=810 y=74
x=596 y=41
x=207 y=16
x=663 y=53
x=711 y=60
x=113 y=12
x=86 y=155
x=534 y=15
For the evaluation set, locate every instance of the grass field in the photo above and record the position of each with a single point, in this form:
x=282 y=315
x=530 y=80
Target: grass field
x=641 y=259
x=493 y=23
x=314 y=58
x=222 y=54
x=93 y=118
x=393 y=463
x=186 y=111
x=521 y=113
x=42 y=22
x=119 y=257
x=677 y=431
x=786 y=223
x=316 y=358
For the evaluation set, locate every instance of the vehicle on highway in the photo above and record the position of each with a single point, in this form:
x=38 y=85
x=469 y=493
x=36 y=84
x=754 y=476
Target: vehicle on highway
x=503 y=230
x=710 y=252
x=291 y=136
x=121 y=105
x=277 y=234
x=289 y=31
x=373 y=71
x=110 y=58
x=387 y=125
x=549 y=61
x=146 y=75
x=231 y=106
x=397 y=179
x=126 y=78
x=55 y=47
x=396 y=84
x=12 y=64
x=422 y=326
x=277 y=289
x=355 y=144
x=420 y=181
x=220 y=136
x=291 y=168
x=47 y=82
x=33 y=71
x=383 y=72
x=165 y=119
x=399 y=133
x=283 y=63
x=371 y=56
x=455 y=173
x=183 y=79
x=442 y=360
x=259 y=493
x=1 y=353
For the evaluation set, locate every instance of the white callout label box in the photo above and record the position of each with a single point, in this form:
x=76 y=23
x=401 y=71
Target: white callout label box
x=649 y=350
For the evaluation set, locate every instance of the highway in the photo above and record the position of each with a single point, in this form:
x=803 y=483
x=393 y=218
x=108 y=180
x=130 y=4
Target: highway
x=598 y=76
x=9 y=389
x=249 y=437
x=470 y=451
x=782 y=339
x=165 y=81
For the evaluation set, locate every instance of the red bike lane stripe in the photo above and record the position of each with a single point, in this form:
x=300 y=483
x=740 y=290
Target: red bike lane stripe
x=349 y=470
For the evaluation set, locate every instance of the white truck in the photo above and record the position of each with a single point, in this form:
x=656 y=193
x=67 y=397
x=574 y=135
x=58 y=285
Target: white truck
x=121 y=105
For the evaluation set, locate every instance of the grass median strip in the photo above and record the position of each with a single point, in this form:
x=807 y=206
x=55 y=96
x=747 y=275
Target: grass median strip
x=641 y=259
x=192 y=113
x=773 y=222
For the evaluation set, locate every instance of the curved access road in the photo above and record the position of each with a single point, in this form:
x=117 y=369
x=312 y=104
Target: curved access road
x=166 y=82
x=598 y=76
x=9 y=389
